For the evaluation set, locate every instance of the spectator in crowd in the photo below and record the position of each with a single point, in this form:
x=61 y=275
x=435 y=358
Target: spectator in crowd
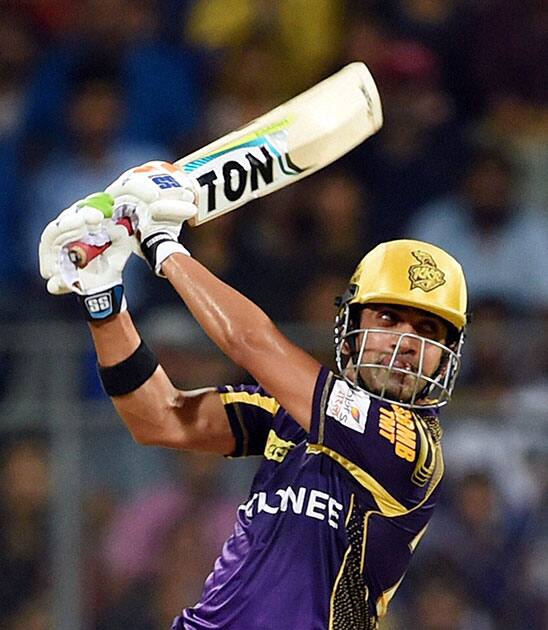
x=487 y=537
x=19 y=50
x=426 y=22
x=489 y=50
x=532 y=596
x=502 y=244
x=441 y=603
x=160 y=79
x=499 y=361
x=367 y=35
x=24 y=513
x=523 y=126
x=415 y=156
x=151 y=562
x=293 y=29
x=502 y=49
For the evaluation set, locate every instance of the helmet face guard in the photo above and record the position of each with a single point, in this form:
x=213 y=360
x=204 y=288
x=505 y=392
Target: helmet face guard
x=422 y=390
x=411 y=274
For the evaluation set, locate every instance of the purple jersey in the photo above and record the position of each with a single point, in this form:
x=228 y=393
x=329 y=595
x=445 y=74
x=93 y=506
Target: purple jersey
x=332 y=518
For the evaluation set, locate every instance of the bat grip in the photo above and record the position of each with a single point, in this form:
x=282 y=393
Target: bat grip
x=81 y=254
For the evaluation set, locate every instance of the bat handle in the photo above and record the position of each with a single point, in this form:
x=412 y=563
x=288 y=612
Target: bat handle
x=81 y=254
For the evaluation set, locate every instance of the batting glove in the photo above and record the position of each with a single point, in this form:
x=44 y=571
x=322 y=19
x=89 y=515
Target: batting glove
x=159 y=198
x=99 y=284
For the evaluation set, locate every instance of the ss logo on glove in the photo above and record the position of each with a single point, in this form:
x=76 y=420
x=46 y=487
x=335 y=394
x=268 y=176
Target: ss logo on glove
x=165 y=181
x=99 y=303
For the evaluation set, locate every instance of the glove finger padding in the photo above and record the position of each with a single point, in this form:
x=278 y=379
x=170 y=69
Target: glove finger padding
x=117 y=233
x=121 y=247
x=171 y=211
x=57 y=286
x=137 y=186
x=71 y=225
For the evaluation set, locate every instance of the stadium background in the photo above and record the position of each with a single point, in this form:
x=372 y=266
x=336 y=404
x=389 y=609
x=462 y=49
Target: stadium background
x=99 y=533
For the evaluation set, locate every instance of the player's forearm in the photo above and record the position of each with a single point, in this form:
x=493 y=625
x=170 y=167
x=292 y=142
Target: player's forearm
x=234 y=323
x=148 y=410
x=115 y=339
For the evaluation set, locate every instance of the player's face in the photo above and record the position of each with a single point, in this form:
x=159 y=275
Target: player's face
x=394 y=321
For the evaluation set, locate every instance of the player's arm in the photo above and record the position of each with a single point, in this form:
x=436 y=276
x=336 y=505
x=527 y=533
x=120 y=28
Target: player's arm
x=152 y=408
x=247 y=335
x=156 y=412
x=236 y=325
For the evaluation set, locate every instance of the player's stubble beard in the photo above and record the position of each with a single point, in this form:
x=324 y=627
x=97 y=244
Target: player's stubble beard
x=396 y=385
x=382 y=381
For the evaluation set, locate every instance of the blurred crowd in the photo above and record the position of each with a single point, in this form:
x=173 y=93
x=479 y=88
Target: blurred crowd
x=93 y=87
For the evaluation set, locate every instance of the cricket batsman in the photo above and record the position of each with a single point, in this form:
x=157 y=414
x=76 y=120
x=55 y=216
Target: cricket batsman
x=351 y=458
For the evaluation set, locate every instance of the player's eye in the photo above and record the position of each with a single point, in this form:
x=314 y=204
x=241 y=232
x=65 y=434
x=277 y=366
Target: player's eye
x=388 y=316
x=430 y=328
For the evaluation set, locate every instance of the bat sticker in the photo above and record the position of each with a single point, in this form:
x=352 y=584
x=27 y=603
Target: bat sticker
x=251 y=165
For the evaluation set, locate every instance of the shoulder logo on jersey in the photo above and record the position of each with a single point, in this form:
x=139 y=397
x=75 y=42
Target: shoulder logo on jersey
x=348 y=406
x=277 y=448
x=397 y=425
x=426 y=275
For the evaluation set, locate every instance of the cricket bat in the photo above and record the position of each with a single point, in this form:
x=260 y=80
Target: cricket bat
x=279 y=148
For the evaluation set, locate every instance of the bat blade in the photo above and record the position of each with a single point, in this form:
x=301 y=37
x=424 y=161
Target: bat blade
x=288 y=143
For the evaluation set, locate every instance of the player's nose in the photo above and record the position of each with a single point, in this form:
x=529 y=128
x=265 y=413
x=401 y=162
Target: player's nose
x=406 y=341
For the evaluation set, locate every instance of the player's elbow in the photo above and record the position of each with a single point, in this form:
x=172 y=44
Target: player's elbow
x=145 y=433
x=159 y=437
x=142 y=438
x=155 y=426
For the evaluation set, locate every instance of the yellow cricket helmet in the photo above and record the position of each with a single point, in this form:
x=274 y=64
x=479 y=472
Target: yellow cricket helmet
x=411 y=273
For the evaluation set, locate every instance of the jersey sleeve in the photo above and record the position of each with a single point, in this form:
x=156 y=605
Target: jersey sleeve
x=251 y=412
x=389 y=450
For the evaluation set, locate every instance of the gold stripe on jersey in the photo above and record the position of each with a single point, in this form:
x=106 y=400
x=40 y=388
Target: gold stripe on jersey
x=364 y=541
x=323 y=407
x=258 y=400
x=413 y=544
x=385 y=598
x=386 y=503
x=238 y=413
x=439 y=467
x=350 y=508
x=426 y=461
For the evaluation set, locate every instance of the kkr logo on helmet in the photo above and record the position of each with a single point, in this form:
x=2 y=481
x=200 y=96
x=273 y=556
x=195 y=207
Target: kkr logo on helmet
x=425 y=275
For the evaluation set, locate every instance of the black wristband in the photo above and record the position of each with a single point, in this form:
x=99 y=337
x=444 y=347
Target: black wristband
x=150 y=244
x=130 y=374
x=104 y=304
